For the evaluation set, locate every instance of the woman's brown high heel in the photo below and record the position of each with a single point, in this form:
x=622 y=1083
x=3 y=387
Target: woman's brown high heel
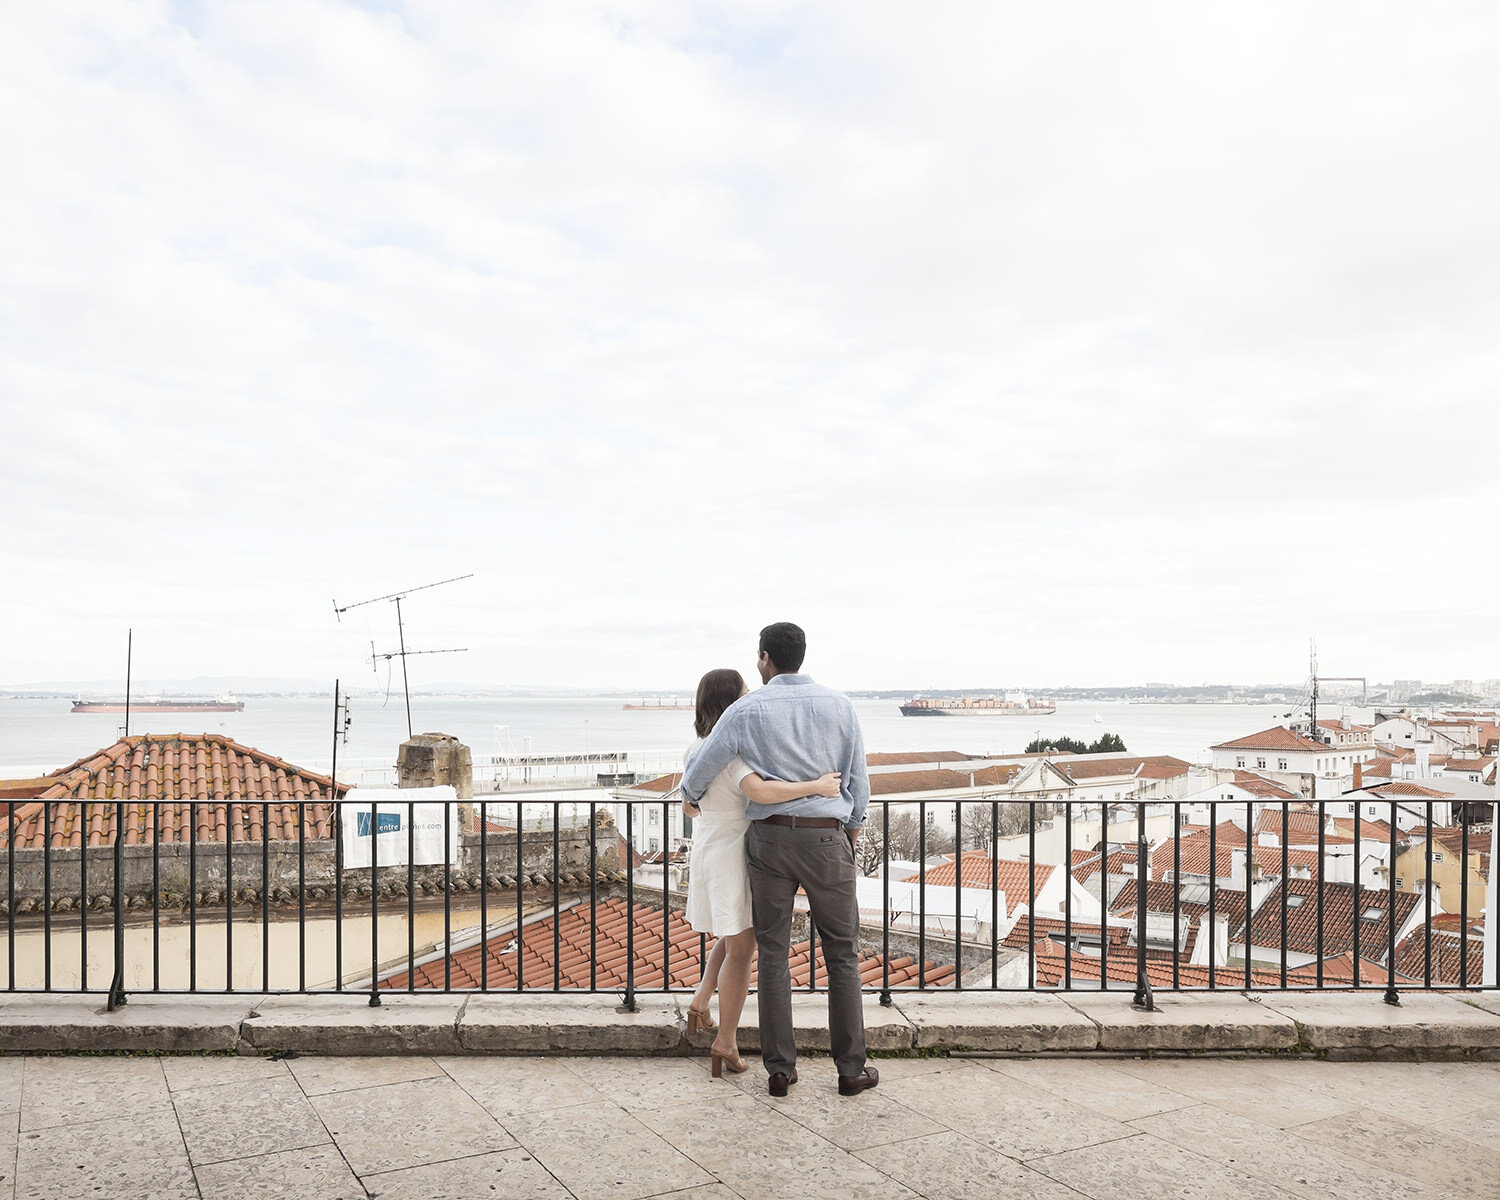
x=698 y=1018
x=717 y=1063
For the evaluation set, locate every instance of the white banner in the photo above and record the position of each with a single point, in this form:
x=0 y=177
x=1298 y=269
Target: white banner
x=393 y=819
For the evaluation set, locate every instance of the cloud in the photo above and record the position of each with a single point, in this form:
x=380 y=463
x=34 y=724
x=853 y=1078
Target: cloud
x=1015 y=343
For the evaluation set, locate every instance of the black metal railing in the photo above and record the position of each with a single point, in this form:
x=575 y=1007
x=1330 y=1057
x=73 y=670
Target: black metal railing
x=208 y=896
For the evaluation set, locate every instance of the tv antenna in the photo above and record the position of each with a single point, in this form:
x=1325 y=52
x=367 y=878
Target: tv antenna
x=403 y=653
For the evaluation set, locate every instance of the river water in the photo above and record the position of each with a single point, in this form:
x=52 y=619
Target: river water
x=44 y=734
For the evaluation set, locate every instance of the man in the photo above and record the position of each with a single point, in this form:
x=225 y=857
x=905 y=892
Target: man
x=794 y=729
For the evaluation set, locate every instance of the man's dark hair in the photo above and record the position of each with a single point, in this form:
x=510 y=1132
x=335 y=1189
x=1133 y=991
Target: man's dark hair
x=785 y=644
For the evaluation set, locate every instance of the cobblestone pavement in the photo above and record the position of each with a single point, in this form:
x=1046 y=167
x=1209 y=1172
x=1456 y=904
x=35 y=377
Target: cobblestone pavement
x=543 y=1128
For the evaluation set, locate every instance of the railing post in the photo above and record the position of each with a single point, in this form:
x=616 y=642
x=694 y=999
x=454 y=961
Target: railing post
x=630 y=906
x=117 y=984
x=1142 y=979
x=885 y=904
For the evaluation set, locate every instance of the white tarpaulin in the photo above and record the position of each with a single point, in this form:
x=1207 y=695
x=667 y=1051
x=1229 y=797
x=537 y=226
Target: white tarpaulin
x=395 y=819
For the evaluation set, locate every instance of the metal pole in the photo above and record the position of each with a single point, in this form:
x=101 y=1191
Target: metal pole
x=1142 y=979
x=405 y=686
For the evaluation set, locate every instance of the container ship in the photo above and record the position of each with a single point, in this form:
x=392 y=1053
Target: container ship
x=220 y=704
x=672 y=704
x=1015 y=705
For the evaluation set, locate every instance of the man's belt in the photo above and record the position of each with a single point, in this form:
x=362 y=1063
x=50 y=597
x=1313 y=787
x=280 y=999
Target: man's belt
x=806 y=822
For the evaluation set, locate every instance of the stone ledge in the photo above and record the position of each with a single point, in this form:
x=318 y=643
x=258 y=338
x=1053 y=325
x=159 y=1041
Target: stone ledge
x=1187 y=1021
x=1018 y=1022
x=599 y=1024
x=162 y=1025
x=1331 y=1025
x=1346 y=1025
x=402 y=1024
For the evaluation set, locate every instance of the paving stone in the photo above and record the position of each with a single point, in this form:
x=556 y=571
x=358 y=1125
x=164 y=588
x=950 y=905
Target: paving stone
x=69 y=1091
x=1423 y=1022
x=317 y=1173
x=579 y=1024
x=851 y=1122
x=1442 y=1160
x=1005 y=1114
x=1258 y=1149
x=126 y=1158
x=1239 y=1087
x=1142 y=1165
x=504 y=1175
x=948 y=1166
x=409 y=1125
x=1016 y=1022
x=600 y=1150
x=318 y=1075
x=328 y=1025
x=11 y=1072
x=10 y=1128
x=69 y=1022
x=188 y=1072
x=761 y=1155
x=237 y=1120
x=1450 y=1091
x=505 y=1087
x=1095 y=1085
x=1183 y=1021
x=644 y=1083
x=1482 y=1128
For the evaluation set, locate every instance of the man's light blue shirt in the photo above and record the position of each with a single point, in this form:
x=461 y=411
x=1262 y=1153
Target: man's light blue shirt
x=792 y=730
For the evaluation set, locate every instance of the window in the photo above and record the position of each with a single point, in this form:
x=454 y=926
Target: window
x=1372 y=914
x=1437 y=858
x=654 y=845
x=1369 y=810
x=1294 y=901
x=1400 y=881
x=651 y=816
x=1239 y=762
x=1260 y=763
x=1281 y=764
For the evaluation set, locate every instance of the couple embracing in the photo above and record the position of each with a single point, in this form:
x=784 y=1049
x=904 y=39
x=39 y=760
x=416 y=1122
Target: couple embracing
x=778 y=788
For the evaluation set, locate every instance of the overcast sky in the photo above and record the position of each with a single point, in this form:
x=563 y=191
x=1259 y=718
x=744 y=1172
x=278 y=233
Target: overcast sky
x=995 y=343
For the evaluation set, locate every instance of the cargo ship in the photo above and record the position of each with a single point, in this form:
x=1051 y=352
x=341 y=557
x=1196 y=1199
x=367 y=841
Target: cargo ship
x=225 y=703
x=1013 y=705
x=658 y=705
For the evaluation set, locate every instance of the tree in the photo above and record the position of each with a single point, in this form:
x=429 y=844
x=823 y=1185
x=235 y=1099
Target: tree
x=1109 y=743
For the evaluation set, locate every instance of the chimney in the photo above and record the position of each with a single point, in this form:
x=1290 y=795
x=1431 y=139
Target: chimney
x=1424 y=750
x=1359 y=775
x=430 y=759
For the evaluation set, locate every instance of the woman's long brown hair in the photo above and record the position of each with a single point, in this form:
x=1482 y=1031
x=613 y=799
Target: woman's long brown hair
x=716 y=691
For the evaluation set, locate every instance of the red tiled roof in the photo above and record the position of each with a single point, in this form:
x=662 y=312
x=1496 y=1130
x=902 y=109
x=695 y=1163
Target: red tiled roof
x=1012 y=876
x=1194 y=855
x=660 y=785
x=1119 y=862
x=1158 y=766
x=1341 y=911
x=1447 y=955
x=1047 y=926
x=1300 y=827
x=1405 y=787
x=238 y=791
x=1267 y=789
x=1278 y=737
x=1052 y=960
x=653 y=959
x=1340 y=969
x=887 y=783
x=1161 y=895
x=913 y=757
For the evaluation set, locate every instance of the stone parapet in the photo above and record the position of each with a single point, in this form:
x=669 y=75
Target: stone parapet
x=1342 y=1025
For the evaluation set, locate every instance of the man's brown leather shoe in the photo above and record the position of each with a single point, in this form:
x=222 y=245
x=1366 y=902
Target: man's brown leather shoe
x=852 y=1085
x=781 y=1081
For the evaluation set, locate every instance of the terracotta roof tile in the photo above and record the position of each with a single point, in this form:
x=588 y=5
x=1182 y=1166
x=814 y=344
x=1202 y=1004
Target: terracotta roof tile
x=674 y=956
x=913 y=757
x=1159 y=766
x=1447 y=955
x=1340 y=969
x=238 y=789
x=1267 y=789
x=1013 y=876
x=1341 y=911
x=1278 y=737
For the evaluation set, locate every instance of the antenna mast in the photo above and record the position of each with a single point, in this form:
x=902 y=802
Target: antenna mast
x=403 y=653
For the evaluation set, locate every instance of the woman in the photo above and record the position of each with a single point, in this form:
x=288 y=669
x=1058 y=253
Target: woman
x=718 y=899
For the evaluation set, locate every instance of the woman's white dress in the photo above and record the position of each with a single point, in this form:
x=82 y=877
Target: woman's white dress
x=718 y=900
